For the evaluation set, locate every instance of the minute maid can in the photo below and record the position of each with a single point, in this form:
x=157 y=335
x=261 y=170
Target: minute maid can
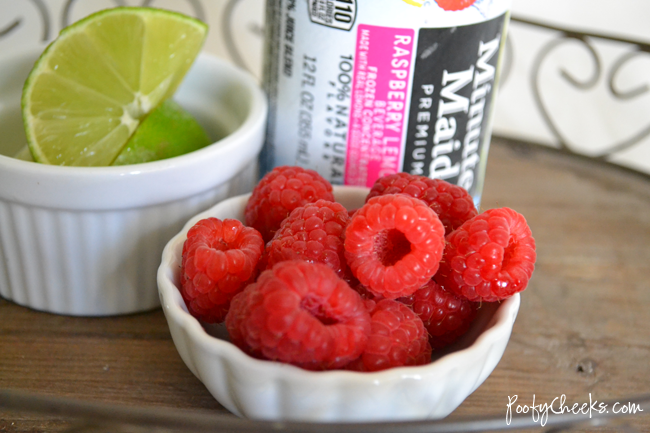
x=359 y=89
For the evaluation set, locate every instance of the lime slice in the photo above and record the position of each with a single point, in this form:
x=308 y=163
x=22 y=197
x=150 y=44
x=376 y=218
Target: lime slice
x=167 y=131
x=93 y=85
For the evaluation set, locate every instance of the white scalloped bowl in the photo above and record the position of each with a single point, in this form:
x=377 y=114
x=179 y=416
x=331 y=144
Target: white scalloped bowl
x=266 y=390
x=87 y=240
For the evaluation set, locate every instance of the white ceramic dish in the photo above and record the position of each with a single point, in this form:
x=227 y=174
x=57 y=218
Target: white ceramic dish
x=87 y=241
x=273 y=391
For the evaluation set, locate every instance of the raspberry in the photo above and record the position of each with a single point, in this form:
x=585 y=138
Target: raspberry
x=365 y=293
x=279 y=192
x=490 y=257
x=451 y=203
x=300 y=313
x=446 y=317
x=369 y=299
x=219 y=259
x=397 y=338
x=394 y=244
x=313 y=233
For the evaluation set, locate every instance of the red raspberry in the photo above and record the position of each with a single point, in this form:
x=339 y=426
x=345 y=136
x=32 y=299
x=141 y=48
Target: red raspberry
x=451 y=203
x=490 y=257
x=219 y=259
x=279 y=192
x=365 y=293
x=314 y=233
x=455 y=5
x=446 y=316
x=397 y=338
x=393 y=245
x=300 y=313
x=369 y=299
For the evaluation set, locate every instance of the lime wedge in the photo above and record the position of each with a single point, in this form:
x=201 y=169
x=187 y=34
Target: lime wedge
x=93 y=85
x=167 y=131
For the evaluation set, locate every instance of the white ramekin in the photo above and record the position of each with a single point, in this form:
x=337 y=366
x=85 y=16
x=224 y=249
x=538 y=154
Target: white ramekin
x=268 y=390
x=88 y=240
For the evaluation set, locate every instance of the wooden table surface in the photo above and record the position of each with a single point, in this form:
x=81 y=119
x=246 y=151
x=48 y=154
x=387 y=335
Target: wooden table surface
x=583 y=327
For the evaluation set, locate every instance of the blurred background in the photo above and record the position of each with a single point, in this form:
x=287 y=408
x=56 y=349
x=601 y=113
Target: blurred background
x=575 y=74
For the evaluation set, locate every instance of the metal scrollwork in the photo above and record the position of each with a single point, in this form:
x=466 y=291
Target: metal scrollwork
x=67 y=11
x=10 y=27
x=583 y=85
x=197 y=7
x=229 y=36
x=66 y=16
x=586 y=40
x=633 y=93
x=45 y=22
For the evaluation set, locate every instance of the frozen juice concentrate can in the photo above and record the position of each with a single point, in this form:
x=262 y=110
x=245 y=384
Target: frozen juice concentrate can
x=359 y=89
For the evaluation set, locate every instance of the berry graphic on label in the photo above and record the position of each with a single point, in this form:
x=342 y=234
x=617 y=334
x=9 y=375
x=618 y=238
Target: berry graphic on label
x=455 y=5
x=448 y=5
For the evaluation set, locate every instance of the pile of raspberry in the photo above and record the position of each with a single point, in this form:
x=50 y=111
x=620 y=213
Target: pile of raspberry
x=308 y=282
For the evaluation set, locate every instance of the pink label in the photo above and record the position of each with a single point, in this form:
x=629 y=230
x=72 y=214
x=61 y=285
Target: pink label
x=379 y=96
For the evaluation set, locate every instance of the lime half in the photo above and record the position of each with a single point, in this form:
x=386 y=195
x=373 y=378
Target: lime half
x=166 y=132
x=93 y=85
